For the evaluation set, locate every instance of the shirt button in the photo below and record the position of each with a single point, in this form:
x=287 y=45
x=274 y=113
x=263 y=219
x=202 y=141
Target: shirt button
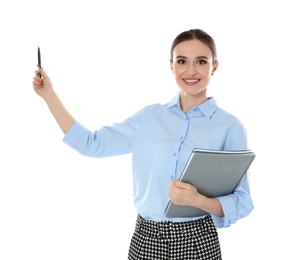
x=174 y=154
x=181 y=138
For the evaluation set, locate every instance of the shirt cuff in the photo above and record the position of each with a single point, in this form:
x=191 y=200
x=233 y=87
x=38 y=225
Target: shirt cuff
x=73 y=134
x=229 y=212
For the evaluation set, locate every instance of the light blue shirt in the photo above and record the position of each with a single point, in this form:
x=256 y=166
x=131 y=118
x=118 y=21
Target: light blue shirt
x=161 y=138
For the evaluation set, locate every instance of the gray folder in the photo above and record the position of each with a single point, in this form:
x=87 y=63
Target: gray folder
x=214 y=173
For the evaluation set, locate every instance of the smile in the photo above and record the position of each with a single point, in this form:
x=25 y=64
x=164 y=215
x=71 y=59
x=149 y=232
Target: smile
x=191 y=81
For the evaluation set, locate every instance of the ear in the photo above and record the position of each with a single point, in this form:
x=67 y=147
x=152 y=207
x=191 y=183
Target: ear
x=171 y=66
x=215 y=66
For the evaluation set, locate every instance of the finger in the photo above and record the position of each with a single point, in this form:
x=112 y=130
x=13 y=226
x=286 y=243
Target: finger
x=37 y=79
x=180 y=184
x=176 y=183
x=43 y=73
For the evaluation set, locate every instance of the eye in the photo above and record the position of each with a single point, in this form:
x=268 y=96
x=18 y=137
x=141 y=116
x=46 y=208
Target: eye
x=182 y=62
x=201 y=62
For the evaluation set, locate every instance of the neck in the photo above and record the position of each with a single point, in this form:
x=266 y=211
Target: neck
x=189 y=102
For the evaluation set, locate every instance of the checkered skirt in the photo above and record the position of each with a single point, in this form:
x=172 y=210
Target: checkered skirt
x=168 y=240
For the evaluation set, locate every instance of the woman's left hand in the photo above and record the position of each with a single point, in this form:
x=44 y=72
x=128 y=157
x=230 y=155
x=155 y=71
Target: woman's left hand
x=184 y=194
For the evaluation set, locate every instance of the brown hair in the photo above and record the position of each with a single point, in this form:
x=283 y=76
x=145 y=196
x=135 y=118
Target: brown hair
x=195 y=34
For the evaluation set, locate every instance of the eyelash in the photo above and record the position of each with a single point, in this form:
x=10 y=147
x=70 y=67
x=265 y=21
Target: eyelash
x=200 y=62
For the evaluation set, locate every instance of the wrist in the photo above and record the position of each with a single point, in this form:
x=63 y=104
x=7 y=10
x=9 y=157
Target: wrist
x=199 y=201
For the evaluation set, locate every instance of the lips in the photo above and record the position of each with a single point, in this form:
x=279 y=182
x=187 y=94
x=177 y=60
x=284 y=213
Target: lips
x=191 y=81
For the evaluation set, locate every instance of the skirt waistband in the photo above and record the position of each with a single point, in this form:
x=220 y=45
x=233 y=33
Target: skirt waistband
x=174 y=230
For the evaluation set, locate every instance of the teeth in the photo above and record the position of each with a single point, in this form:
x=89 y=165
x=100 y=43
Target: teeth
x=188 y=80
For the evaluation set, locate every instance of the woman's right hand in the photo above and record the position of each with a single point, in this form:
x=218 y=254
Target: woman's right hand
x=44 y=88
x=42 y=85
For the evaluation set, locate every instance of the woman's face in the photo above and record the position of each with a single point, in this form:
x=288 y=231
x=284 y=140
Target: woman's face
x=193 y=67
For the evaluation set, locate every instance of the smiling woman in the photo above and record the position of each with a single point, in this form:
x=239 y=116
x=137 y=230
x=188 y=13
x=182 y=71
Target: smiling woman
x=196 y=121
x=106 y=61
x=193 y=62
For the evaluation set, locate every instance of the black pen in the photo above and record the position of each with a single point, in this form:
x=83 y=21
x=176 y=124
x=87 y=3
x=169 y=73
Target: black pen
x=39 y=60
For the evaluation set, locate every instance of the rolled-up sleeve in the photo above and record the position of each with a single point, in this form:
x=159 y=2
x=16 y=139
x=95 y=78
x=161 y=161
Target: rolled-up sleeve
x=235 y=206
x=74 y=134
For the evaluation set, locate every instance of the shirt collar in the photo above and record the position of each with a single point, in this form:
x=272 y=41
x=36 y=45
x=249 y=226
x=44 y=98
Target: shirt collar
x=175 y=102
x=208 y=108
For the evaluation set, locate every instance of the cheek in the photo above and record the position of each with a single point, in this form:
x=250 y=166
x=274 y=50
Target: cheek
x=206 y=72
x=177 y=72
x=177 y=77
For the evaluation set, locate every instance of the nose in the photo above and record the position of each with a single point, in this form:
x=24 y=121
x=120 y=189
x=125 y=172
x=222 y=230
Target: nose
x=191 y=69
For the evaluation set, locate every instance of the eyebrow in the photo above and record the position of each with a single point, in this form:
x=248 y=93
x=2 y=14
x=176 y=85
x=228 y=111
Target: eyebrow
x=198 y=57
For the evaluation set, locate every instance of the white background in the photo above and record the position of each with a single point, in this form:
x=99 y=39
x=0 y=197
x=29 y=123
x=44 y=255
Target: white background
x=107 y=59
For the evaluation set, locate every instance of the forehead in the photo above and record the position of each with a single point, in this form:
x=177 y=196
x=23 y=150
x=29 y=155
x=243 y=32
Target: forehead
x=192 y=48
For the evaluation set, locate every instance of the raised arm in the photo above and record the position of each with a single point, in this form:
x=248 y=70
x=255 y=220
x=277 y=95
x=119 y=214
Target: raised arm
x=44 y=88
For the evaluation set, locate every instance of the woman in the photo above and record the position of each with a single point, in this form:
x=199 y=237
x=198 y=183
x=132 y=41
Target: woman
x=160 y=138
